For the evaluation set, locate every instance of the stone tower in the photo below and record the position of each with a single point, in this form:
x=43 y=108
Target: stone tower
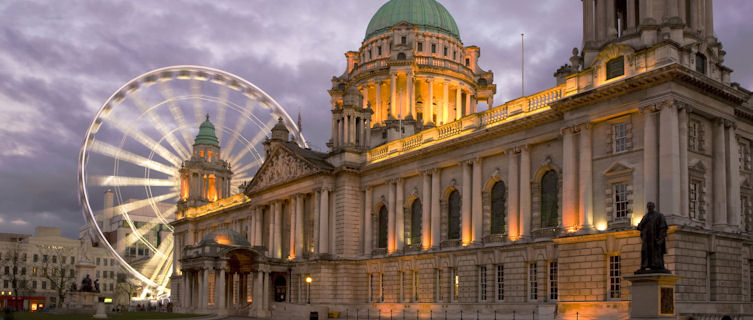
x=206 y=176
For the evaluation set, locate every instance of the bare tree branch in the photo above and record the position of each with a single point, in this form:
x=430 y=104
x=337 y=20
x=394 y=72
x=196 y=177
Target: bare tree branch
x=55 y=271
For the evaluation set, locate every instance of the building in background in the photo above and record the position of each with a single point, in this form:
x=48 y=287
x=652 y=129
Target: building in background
x=31 y=266
x=426 y=205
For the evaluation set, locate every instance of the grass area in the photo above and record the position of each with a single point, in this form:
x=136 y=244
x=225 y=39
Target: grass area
x=114 y=316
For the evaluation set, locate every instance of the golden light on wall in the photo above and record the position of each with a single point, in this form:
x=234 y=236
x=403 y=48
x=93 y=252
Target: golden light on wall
x=212 y=189
x=222 y=239
x=601 y=225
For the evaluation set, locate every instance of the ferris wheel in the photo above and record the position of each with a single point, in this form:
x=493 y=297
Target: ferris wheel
x=128 y=167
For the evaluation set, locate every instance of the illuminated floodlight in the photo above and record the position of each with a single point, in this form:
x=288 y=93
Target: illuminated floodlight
x=136 y=145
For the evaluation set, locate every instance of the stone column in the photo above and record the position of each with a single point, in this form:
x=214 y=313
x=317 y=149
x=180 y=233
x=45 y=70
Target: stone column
x=719 y=174
x=293 y=220
x=650 y=158
x=367 y=228
x=669 y=161
x=458 y=102
x=683 y=118
x=426 y=211
x=367 y=143
x=324 y=221
x=465 y=203
x=733 y=177
x=601 y=20
x=257 y=290
x=476 y=212
x=513 y=209
x=569 y=181
x=220 y=286
x=393 y=94
x=525 y=192
x=611 y=29
x=204 y=288
x=631 y=23
x=468 y=108
x=365 y=94
x=709 y=27
x=400 y=213
x=391 y=245
x=409 y=103
x=588 y=25
x=378 y=108
x=300 y=213
x=317 y=218
x=252 y=227
x=446 y=101
x=430 y=105
x=585 y=178
x=435 y=194
x=186 y=298
x=278 y=230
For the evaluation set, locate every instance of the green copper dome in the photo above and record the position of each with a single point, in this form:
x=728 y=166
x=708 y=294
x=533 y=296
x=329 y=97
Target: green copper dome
x=206 y=134
x=428 y=15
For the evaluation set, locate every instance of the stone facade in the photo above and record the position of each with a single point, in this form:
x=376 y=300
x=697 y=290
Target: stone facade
x=528 y=207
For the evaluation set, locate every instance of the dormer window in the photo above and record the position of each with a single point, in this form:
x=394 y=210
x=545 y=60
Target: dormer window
x=616 y=67
x=403 y=40
x=700 y=63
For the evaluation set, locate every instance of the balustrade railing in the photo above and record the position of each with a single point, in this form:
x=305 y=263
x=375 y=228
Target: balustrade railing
x=420 y=61
x=542 y=99
x=378 y=153
x=493 y=115
x=449 y=129
x=412 y=142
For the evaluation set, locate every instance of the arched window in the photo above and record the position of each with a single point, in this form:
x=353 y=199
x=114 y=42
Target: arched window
x=401 y=56
x=549 y=192
x=382 y=237
x=498 y=208
x=415 y=222
x=453 y=216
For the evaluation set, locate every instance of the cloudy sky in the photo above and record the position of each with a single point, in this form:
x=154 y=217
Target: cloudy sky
x=60 y=60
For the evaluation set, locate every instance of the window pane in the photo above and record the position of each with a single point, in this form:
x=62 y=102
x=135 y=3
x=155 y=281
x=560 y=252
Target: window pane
x=498 y=208
x=616 y=67
x=549 y=193
x=453 y=223
x=415 y=222
x=382 y=243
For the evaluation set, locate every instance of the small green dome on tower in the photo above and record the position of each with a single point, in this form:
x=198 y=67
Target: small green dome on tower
x=206 y=134
x=428 y=15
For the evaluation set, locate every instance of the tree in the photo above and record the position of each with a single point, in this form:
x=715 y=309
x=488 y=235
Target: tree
x=55 y=272
x=14 y=265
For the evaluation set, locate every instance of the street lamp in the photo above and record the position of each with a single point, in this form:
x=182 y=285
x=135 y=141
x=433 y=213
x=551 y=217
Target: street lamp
x=308 y=284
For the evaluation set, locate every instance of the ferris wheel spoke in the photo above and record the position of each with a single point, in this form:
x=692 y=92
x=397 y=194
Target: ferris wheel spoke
x=127 y=207
x=254 y=141
x=180 y=119
x=239 y=125
x=198 y=107
x=221 y=102
x=161 y=216
x=158 y=124
x=120 y=181
x=139 y=233
x=140 y=137
x=114 y=152
x=250 y=165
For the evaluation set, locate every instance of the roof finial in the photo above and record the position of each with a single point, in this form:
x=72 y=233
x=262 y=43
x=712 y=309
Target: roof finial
x=207 y=116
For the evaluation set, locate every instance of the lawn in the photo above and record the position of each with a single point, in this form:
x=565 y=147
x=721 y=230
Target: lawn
x=114 y=316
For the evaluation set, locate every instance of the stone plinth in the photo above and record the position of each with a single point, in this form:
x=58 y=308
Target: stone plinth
x=653 y=296
x=83 y=300
x=101 y=311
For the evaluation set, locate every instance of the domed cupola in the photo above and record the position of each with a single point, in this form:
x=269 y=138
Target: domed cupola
x=427 y=15
x=207 y=134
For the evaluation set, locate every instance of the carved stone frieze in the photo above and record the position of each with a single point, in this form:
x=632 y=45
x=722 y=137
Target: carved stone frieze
x=280 y=168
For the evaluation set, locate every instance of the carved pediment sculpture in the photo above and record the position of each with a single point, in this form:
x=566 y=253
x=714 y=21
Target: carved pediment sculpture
x=281 y=167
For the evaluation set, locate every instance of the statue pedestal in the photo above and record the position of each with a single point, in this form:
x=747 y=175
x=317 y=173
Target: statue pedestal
x=101 y=312
x=653 y=296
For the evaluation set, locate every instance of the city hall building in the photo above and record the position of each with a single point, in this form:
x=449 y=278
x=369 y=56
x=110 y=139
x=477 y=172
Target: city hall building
x=424 y=206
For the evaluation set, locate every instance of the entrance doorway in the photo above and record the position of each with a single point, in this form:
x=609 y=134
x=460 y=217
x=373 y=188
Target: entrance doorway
x=281 y=289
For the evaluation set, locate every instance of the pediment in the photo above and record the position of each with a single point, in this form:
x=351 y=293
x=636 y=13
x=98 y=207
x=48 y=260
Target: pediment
x=611 y=51
x=698 y=167
x=280 y=167
x=617 y=169
x=746 y=184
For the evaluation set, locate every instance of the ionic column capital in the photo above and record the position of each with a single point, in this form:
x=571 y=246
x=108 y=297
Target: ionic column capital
x=568 y=130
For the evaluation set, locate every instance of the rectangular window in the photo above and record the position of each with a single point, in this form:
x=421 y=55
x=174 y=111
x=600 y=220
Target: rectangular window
x=34 y=284
x=72 y=260
x=62 y=259
x=437 y=285
x=700 y=63
x=54 y=259
x=553 y=283
x=533 y=284
x=379 y=50
x=693 y=127
x=44 y=285
x=104 y=274
x=620 y=138
x=445 y=51
x=105 y=262
x=420 y=47
x=97 y=274
x=403 y=40
x=454 y=55
x=616 y=67
x=614 y=277
x=36 y=257
x=455 y=284
x=467 y=62
x=401 y=278
x=433 y=48
x=5 y=284
x=44 y=258
x=693 y=192
x=415 y=286
x=34 y=271
x=482 y=283
x=500 y=283
x=621 y=203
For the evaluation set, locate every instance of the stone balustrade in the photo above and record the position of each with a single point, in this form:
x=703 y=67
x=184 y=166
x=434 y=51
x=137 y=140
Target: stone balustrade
x=510 y=111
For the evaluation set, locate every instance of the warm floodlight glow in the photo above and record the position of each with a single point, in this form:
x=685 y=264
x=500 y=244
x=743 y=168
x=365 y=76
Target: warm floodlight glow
x=601 y=226
x=308 y=279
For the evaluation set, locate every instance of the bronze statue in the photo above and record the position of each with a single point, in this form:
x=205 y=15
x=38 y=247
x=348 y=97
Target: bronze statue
x=653 y=228
x=86 y=284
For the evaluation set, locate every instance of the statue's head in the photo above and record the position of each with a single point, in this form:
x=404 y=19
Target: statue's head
x=650 y=206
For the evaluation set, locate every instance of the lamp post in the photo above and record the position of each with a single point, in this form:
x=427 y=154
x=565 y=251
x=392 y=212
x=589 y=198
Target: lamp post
x=308 y=289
